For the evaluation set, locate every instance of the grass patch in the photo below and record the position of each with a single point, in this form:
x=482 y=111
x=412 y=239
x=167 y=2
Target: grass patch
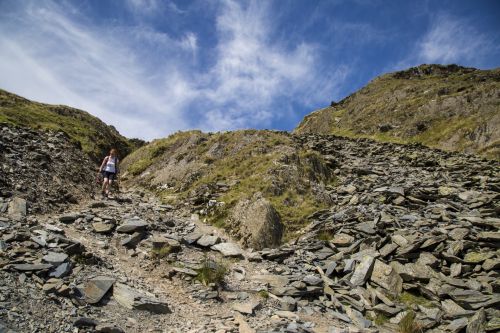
x=263 y=293
x=212 y=271
x=325 y=235
x=380 y=319
x=413 y=299
x=161 y=252
x=409 y=325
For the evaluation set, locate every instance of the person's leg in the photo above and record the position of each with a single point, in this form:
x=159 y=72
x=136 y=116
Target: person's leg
x=105 y=185
x=110 y=182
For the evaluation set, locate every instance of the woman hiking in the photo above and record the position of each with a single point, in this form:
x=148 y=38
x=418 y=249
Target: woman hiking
x=109 y=170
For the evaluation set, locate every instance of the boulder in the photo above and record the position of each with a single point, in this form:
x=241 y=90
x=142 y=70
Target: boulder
x=256 y=223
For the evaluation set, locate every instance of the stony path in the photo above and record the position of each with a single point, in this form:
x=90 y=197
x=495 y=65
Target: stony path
x=193 y=306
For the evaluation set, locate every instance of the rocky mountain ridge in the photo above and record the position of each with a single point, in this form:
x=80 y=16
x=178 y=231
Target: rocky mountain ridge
x=448 y=107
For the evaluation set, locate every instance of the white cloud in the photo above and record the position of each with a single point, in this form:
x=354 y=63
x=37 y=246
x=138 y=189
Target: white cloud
x=148 y=83
x=451 y=40
x=252 y=71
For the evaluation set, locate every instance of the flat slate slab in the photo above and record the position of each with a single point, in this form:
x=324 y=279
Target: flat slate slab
x=31 y=267
x=228 y=249
x=95 y=289
x=131 y=226
x=133 y=299
x=55 y=258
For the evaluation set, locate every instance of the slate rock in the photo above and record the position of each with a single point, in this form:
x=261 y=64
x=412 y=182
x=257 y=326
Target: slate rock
x=357 y=318
x=55 y=258
x=103 y=227
x=246 y=308
x=132 y=225
x=133 y=240
x=133 y=299
x=363 y=271
x=386 y=277
x=17 y=208
x=228 y=249
x=95 y=289
x=68 y=218
x=208 y=240
x=31 y=267
x=477 y=322
x=61 y=271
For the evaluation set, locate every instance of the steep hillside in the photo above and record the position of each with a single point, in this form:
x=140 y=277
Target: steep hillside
x=216 y=172
x=448 y=107
x=93 y=135
x=49 y=153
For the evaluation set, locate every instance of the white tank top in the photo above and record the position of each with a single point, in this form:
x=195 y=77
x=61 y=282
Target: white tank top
x=110 y=165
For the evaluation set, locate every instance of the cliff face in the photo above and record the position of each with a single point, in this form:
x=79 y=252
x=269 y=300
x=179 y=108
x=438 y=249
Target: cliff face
x=447 y=107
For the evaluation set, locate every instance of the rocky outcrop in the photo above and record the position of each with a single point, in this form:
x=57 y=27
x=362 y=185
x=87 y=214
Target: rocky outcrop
x=41 y=171
x=448 y=107
x=256 y=223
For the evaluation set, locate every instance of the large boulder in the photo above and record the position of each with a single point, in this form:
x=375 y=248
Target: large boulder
x=256 y=223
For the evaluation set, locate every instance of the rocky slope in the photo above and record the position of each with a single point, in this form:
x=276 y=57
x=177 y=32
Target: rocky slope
x=49 y=154
x=42 y=170
x=447 y=107
x=410 y=247
x=90 y=133
x=224 y=175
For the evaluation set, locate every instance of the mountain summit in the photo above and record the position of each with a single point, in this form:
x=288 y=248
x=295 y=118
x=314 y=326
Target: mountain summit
x=450 y=107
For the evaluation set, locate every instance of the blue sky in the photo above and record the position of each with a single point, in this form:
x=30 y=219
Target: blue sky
x=152 y=67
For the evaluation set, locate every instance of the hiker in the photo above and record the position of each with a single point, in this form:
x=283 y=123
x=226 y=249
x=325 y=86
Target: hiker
x=109 y=170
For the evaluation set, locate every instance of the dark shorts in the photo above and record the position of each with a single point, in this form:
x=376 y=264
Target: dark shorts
x=109 y=175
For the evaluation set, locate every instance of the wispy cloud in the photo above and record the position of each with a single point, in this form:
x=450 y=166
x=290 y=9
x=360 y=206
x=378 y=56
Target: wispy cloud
x=253 y=75
x=449 y=40
x=146 y=82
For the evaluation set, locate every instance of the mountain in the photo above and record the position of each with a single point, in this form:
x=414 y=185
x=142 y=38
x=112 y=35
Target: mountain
x=94 y=136
x=447 y=107
x=250 y=231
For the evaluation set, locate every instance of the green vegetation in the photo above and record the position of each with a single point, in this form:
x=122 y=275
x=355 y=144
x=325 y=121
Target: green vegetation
x=446 y=107
x=212 y=271
x=409 y=325
x=325 y=235
x=380 y=319
x=160 y=252
x=413 y=299
x=251 y=161
x=93 y=136
x=264 y=294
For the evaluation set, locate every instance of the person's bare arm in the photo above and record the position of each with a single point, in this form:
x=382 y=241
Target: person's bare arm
x=103 y=164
